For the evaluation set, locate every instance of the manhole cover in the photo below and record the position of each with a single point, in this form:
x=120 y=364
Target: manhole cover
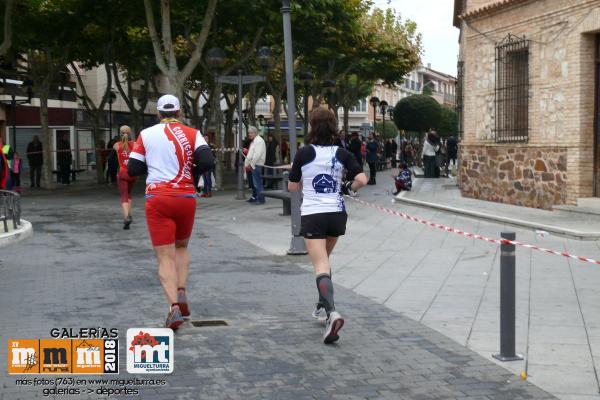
x=209 y=323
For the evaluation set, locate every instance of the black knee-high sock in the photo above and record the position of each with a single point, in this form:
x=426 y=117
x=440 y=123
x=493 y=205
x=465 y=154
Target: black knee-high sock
x=325 y=288
x=321 y=299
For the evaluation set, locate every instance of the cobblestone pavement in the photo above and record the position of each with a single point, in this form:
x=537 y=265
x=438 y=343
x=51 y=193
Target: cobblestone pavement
x=80 y=269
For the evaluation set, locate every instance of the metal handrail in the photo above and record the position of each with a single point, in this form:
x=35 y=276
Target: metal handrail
x=10 y=208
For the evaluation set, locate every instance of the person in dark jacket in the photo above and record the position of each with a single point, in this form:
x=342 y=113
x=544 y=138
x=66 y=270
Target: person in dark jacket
x=64 y=158
x=341 y=140
x=394 y=149
x=112 y=162
x=36 y=160
x=354 y=148
x=452 y=151
x=270 y=158
x=372 y=147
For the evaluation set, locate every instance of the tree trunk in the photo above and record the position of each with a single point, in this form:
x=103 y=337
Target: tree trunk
x=346 y=119
x=97 y=135
x=48 y=179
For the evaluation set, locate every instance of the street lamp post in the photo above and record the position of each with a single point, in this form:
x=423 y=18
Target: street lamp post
x=216 y=58
x=297 y=245
x=306 y=78
x=13 y=103
x=329 y=87
x=374 y=103
x=383 y=105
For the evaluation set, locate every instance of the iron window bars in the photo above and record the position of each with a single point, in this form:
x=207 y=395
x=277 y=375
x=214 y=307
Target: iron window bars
x=512 y=90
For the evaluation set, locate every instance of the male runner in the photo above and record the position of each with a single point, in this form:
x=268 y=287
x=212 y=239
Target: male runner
x=167 y=152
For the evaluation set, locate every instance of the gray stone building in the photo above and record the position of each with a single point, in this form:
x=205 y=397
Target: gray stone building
x=528 y=100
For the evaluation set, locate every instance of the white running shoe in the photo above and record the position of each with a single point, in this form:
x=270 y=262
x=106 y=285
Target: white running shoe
x=333 y=326
x=319 y=312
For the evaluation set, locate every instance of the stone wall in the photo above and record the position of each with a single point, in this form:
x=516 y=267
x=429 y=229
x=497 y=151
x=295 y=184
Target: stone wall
x=525 y=176
x=562 y=36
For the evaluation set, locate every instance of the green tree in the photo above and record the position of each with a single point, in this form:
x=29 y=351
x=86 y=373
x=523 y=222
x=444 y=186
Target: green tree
x=390 y=131
x=448 y=122
x=417 y=113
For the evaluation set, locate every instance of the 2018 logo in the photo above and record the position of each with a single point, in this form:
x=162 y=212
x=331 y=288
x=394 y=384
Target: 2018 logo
x=150 y=351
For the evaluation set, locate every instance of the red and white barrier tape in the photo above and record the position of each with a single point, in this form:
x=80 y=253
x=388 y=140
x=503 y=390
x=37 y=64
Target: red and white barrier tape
x=89 y=149
x=473 y=235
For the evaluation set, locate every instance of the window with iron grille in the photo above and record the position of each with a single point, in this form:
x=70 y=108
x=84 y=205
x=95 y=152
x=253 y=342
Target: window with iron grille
x=512 y=90
x=460 y=76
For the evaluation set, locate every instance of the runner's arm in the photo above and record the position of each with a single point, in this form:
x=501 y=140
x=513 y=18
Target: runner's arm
x=355 y=171
x=137 y=159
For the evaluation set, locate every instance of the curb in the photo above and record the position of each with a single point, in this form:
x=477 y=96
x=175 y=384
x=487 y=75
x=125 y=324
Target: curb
x=23 y=232
x=557 y=230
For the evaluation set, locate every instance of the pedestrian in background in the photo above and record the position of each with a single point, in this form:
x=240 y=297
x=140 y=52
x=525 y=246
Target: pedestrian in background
x=403 y=181
x=8 y=155
x=355 y=148
x=35 y=157
x=4 y=172
x=341 y=140
x=64 y=158
x=255 y=161
x=430 y=148
x=270 y=158
x=452 y=152
x=207 y=176
x=372 y=149
x=318 y=170
x=15 y=173
x=112 y=162
x=125 y=182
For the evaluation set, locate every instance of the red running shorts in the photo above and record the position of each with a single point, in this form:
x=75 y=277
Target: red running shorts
x=170 y=218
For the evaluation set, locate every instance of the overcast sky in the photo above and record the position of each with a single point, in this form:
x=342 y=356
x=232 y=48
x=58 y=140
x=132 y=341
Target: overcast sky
x=434 y=22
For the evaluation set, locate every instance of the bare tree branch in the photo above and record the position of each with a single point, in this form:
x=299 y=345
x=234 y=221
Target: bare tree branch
x=83 y=96
x=200 y=41
x=167 y=42
x=7 y=41
x=160 y=61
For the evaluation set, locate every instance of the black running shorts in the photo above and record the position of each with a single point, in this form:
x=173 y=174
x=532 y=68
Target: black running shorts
x=322 y=225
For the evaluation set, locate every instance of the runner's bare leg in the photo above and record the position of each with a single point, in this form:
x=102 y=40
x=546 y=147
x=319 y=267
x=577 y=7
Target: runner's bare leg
x=317 y=251
x=167 y=271
x=182 y=262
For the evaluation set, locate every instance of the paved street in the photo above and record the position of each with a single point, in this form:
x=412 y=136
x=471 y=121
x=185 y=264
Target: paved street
x=451 y=283
x=81 y=270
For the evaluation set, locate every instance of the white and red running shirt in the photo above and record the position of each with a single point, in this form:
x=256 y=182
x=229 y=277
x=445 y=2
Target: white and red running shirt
x=168 y=149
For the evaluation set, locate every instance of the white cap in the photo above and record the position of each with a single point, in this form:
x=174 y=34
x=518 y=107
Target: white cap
x=168 y=103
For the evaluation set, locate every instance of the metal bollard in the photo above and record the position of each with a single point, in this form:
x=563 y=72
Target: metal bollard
x=507 y=300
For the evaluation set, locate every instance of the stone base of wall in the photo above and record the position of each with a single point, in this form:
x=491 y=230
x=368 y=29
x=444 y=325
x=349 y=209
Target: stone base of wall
x=525 y=176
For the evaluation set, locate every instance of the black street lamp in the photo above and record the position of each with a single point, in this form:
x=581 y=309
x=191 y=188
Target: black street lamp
x=111 y=99
x=383 y=105
x=329 y=87
x=374 y=103
x=390 y=111
x=13 y=103
x=306 y=78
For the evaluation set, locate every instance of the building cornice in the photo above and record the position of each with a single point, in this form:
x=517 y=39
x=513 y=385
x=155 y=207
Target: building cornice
x=485 y=10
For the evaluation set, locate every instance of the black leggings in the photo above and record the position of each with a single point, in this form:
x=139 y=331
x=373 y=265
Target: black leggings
x=372 y=171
